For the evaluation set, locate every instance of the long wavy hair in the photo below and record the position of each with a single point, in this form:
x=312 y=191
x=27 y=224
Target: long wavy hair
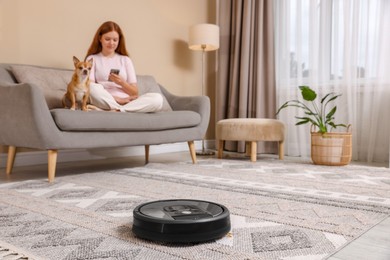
x=109 y=26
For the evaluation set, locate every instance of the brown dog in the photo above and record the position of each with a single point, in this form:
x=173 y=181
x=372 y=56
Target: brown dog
x=78 y=89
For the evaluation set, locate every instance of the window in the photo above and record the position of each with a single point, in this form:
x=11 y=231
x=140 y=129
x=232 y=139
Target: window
x=333 y=39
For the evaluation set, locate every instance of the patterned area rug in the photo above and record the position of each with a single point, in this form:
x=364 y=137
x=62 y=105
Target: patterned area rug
x=279 y=210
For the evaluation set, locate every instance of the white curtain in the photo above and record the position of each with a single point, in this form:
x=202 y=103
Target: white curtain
x=341 y=46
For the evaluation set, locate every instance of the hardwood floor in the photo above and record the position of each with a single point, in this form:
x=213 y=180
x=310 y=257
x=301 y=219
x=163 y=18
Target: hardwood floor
x=372 y=245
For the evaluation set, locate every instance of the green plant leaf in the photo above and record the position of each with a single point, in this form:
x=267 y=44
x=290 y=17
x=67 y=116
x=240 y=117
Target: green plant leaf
x=307 y=93
x=302 y=122
x=291 y=103
x=305 y=120
x=331 y=112
x=310 y=113
x=324 y=98
x=333 y=98
x=333 y=125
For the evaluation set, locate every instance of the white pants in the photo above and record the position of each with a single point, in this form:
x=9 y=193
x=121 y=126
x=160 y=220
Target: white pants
x=101 y=98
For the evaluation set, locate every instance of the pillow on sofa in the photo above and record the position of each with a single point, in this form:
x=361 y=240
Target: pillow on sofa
x=147 y=84
x=52 y=82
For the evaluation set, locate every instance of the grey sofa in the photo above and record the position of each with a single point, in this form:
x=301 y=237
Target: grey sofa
x=32 y=117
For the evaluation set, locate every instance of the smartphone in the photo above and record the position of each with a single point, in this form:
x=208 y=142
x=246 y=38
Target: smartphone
x=114 y=71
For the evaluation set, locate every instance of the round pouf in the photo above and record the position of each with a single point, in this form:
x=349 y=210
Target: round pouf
x=250 y=130
x=181 y=221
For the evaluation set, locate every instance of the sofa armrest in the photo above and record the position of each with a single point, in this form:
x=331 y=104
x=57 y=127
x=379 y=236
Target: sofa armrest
x=199 y=104
x=25 y=117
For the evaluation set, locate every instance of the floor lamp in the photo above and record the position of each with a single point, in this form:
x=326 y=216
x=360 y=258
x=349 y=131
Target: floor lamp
x=203 y=37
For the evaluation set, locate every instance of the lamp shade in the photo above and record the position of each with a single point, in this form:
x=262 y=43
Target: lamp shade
x=203 y=37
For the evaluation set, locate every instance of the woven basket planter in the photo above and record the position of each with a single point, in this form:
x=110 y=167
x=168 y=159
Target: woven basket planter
x=334 y=148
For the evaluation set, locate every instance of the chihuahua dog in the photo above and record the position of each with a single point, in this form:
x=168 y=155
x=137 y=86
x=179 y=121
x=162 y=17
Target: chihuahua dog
x=78 y=88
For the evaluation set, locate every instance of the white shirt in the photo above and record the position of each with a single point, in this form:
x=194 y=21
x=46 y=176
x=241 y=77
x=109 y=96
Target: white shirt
x=101 y=70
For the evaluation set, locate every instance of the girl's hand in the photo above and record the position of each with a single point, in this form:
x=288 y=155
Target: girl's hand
x=122 y=101
x=133 y=98
x=116 y=79
x=129 y=88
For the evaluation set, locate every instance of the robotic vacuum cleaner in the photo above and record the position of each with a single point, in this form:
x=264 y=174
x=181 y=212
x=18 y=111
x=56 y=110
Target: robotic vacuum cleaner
x=181 y=221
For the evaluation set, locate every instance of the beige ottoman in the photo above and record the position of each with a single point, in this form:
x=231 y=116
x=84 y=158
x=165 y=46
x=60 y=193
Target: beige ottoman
x=250 y=130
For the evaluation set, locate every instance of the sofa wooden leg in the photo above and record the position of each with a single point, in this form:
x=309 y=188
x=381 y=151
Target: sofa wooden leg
x=191 y=145
x=10 y=159
x=52 y=163
x=147 y=154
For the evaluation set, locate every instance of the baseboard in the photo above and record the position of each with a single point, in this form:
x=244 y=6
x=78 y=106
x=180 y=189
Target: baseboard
x=40 y=157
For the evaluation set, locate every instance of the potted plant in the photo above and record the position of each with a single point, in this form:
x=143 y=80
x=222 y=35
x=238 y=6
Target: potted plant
x=327 y=147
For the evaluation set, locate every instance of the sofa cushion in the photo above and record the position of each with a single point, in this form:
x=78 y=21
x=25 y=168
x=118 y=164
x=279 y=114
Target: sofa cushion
x=103 y=121
x=52 y=82
x=147 y=84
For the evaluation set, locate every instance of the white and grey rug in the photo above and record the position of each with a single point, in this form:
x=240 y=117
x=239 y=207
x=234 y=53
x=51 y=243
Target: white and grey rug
x=279 y=210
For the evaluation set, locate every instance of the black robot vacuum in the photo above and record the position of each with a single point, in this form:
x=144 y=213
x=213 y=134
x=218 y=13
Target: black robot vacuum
x=181 y=221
